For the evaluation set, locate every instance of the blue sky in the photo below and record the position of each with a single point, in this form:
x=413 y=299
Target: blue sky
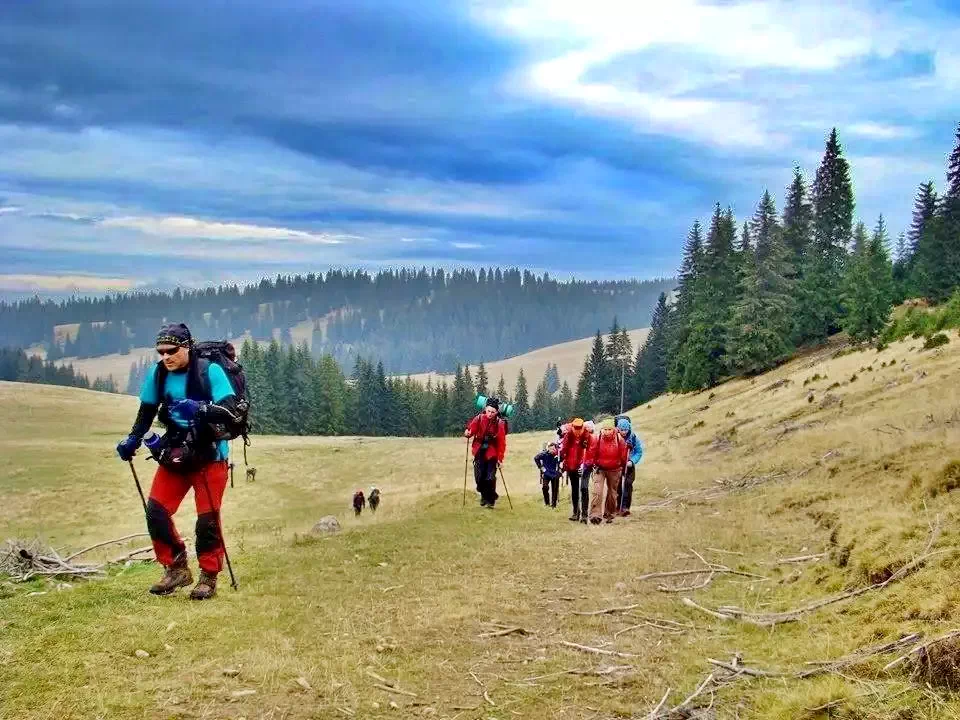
x=165 y=142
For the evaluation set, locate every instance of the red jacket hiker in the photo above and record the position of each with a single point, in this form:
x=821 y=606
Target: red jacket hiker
x=493 y=432
x=609 y=451
x=575 y=448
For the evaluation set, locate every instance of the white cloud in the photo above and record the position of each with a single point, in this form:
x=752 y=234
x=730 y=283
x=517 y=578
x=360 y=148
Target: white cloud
x=467 y=245
x=187 y=227
x=10 y=209
x=730 y=74
x=880 y=131
x=63 y=283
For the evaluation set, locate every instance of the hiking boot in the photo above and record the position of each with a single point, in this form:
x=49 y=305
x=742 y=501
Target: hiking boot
x=596 y=520
x=206 y=586
x=624 y=513
x=608 y=519
x=583 y=519
x=175 y=576
x=574 y=517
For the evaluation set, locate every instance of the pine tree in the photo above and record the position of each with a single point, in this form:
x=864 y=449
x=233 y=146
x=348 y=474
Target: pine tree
x=650 y=369
x=868 y=288
x=598 y=374
x=566 y=402
x=329 y=397
x=797 y=222
x=521 y=405
x=461 y=400
x=541 y=410
x=823 y=268
x=482 y=380
x=502 y=389
x=900 y=269
x=691 y=270
x=924 y=208
x=947 y=228
x=760 y=326
x=584 y=402
x=702 y=355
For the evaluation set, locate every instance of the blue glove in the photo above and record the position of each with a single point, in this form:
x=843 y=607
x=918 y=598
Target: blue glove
x=127 y=447
x=186 y=410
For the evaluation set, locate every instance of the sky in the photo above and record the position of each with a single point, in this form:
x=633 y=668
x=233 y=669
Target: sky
x=170 y=142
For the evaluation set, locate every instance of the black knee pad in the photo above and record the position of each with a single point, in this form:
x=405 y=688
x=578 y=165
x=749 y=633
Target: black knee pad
x=159 y=523
x=208 y=534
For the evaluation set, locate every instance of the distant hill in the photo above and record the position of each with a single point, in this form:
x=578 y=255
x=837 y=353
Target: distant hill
x=567 y=356
x=411 y=320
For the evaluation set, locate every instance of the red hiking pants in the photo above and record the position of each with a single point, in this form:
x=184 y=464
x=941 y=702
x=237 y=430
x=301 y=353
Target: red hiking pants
x=168 y=490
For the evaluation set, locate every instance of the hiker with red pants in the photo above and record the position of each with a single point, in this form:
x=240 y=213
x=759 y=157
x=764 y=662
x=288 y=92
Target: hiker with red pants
x=576 y=438
x=190 y=396
x=608 y=455
x=489 y=447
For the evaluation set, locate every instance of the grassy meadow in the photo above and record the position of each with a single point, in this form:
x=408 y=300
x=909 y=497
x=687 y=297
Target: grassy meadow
x=843 y=456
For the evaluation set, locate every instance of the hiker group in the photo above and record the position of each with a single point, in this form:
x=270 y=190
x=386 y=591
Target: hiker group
x=608 y=455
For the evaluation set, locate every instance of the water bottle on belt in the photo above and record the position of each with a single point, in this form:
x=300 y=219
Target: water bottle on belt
x=152 y=442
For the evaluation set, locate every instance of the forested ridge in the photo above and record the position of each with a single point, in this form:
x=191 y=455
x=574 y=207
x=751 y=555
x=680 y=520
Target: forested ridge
x=411 y=320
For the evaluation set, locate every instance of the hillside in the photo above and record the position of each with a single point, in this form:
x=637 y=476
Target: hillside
x=821 y=477
x=412 y=320
x=567 y=356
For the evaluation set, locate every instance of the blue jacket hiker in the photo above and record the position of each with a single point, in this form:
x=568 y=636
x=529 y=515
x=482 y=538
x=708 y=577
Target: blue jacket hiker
x=634 y=455
x=548 y=463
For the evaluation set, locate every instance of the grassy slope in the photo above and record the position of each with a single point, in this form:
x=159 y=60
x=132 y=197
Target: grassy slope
x=406 y=594
x=568 y=356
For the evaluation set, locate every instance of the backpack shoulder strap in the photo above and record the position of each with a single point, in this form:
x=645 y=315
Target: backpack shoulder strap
x=160 y=378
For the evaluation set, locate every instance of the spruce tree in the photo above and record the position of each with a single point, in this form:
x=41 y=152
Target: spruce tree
x=823 y=269
x=502 y=389
x=797 y=221
x=948 y=229
x=868 y=290
x=584 y=402
x=565 y=402
x=924 y=208
x=330 y=397
x=482 y=380
x=702 y=355
x=691 y=270
x=521 y=405
x=540 y=411
x=761 y=322
x=598 y=374
x=650 y=369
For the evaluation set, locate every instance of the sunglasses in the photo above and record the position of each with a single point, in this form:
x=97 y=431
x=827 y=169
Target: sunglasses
x=168 y=351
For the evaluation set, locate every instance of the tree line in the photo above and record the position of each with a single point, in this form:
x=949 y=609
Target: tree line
x=411 y=320
x=750 y=294
x=18 y=366
x=293 y=393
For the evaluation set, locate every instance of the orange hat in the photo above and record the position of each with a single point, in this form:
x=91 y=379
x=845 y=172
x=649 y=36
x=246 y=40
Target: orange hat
x=577 y=423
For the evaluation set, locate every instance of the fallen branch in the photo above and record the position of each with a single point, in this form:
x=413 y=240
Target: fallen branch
x=686 y=588
x=102 y=544
x=731 y=612
x=394 y=690
x=921 y=649
x=606 y=611
x=595 y=651
x=663 y=701
x=131 y=555
x=801 y=558
x=504 y=632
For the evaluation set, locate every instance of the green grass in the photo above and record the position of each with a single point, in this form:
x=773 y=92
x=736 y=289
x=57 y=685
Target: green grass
x=408 y=593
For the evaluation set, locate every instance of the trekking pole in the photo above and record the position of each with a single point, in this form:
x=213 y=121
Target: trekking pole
x=466 y=462
x=139 y=489
x=505 y=489
x=223 y=543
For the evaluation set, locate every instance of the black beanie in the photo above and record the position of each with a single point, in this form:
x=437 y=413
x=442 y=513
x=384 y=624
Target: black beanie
x=494 y=403
x=174 y=334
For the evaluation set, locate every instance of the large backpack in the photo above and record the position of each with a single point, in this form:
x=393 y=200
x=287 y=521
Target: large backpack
x=223 y=354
